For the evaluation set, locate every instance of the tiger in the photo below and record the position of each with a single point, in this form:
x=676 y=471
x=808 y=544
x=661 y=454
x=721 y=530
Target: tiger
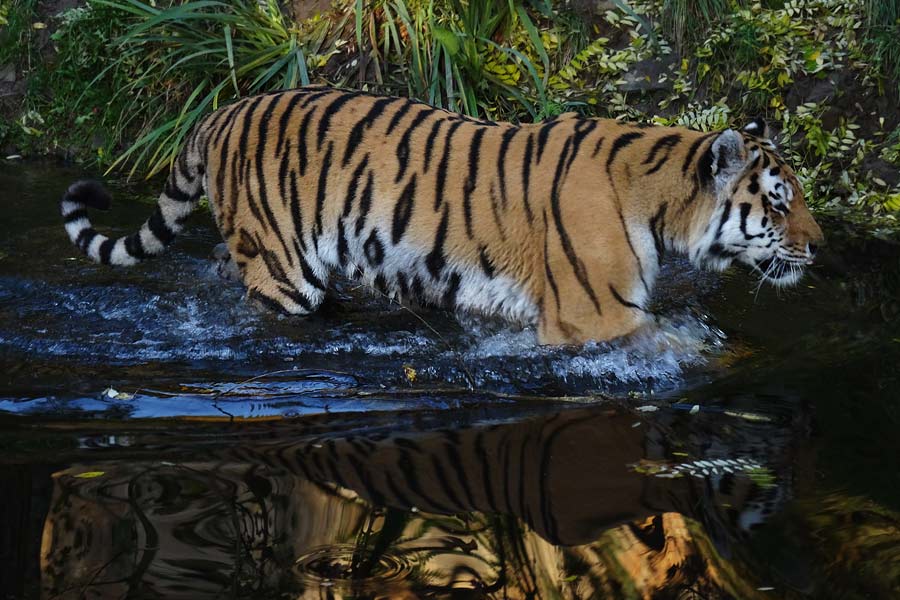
x=559 y=225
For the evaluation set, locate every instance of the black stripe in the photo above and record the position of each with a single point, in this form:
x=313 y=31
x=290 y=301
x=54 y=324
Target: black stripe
x=403 y=146
x=228 y=124
x=296 y=213
x=134 y=247
x=472 y=181
x=273 y=265
x=622 y=300
x=404 y=286
x=745 y=211
x=261 y=144
x=657 y=230
x=159 y=228
x=283 y=170
x=495 y=212
x=266 y=301
x=486 y=265
x=429 y=143
x=621 y=142
x=309 y=276
x=356 y=134
x=247 y=245
x=726 y=212
x=550 y=279
x=311 y=97
x=435 y=260
x=689 y=157
x=283 y=121
x=365 y=202
x=105 y=250
x=526 y=177
x=245 y=130
x=543 y=134
x=417 y=290
x=597 y=147
x=380 y=284
x=324 y=172
x=374 y=249
x=456 y=462
x=582 y=130
x=301 y=140
x=251 y=199
x=329 y=112
x=486 y=480
x=441 y=180
x=398 y=116
x=666 y=142
x=403 y=210
x=449 y=299
x=227 y=216
x=705 y=167
x=173 y=192
x=501 y=161
x=343 y=249
x=578 y=267
x=353 y=187
x=85 y=237
x=78 y=213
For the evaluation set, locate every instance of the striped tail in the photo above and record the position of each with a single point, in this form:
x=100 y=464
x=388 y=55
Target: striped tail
x=183 y=189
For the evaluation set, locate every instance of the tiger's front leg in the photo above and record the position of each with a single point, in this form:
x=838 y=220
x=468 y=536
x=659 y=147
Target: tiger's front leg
x=576 y=321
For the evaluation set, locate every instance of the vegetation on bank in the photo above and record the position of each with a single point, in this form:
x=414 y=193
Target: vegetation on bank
x=121 y=82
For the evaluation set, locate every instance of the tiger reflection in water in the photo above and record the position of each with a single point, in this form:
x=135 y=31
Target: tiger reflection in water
x=543 y=507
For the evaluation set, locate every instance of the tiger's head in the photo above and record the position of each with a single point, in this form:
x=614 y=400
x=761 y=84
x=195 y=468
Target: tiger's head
x=760 y=218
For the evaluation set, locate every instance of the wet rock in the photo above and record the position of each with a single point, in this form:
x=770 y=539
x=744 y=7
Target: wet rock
x=7 y=73
x=816 y=90
x=645 y=76
x=882 y=169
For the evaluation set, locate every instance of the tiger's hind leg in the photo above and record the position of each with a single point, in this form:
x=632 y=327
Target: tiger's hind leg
x=290 y=283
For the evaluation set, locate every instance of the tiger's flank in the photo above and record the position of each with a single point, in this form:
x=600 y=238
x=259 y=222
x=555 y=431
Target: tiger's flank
x=560 y=225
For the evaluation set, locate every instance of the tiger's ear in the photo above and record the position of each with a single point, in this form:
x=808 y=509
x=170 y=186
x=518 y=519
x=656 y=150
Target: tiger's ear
x=727 y=157
x=758 y=127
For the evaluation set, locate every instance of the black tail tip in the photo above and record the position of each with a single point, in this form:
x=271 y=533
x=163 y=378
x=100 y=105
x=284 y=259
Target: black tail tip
x=90 y=193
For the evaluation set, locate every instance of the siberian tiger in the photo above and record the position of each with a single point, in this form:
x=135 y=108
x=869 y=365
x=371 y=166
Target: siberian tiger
x=560 y=224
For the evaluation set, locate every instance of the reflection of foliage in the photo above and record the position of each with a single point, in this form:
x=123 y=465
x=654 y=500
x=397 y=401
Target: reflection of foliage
x=859 y=545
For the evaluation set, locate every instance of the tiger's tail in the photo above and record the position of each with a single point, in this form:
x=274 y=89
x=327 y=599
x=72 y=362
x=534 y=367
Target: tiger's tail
x=177 y=201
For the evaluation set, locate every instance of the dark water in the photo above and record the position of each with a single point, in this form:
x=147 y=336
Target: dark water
x=162 y=438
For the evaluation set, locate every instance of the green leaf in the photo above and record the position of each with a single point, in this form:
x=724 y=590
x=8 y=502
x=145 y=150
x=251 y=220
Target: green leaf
x=447 y=39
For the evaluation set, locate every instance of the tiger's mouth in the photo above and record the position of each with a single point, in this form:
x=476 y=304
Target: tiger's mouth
x=779 y=271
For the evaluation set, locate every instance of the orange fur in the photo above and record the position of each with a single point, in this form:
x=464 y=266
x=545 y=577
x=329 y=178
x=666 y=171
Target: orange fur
x=559 y=224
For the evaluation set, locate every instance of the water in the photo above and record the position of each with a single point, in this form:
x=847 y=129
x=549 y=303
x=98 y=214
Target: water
x=161 y=437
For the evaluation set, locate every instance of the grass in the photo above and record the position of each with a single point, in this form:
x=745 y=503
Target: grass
x=200 y=54
x=688 y=21
x=883 y=30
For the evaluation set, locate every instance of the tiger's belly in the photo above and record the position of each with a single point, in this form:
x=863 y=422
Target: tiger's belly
x=411 y=273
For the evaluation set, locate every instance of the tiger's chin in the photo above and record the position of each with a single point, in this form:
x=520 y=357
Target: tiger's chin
x=778 y=271
x=773 y=270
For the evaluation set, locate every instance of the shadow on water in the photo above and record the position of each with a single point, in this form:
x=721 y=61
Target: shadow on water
x=161 y=438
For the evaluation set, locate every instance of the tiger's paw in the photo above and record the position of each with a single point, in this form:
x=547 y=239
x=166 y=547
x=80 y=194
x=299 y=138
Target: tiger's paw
x=225 y=266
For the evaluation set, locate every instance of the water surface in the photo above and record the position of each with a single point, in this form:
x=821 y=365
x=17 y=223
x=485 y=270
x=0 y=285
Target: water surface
x=161 y=437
